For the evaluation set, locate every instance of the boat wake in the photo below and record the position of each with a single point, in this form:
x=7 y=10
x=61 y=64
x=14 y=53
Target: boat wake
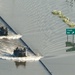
x=17 y=36
x=60 y=56
x=7 y=48
x=8 y=55
x=21 y=59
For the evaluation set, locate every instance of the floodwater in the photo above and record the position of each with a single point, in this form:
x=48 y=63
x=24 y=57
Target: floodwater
x=14 y=68
x=17 y=65
x=43 y=32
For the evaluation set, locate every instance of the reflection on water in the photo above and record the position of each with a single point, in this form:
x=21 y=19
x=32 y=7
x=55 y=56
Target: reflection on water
x=20 y=64
x=69 y=44
x=71 y=2
x=70 y=49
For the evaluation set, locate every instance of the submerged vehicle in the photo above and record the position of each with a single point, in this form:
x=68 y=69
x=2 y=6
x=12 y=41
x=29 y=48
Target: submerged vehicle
x=3 y=31
x=20 y=64
x=19 y=52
